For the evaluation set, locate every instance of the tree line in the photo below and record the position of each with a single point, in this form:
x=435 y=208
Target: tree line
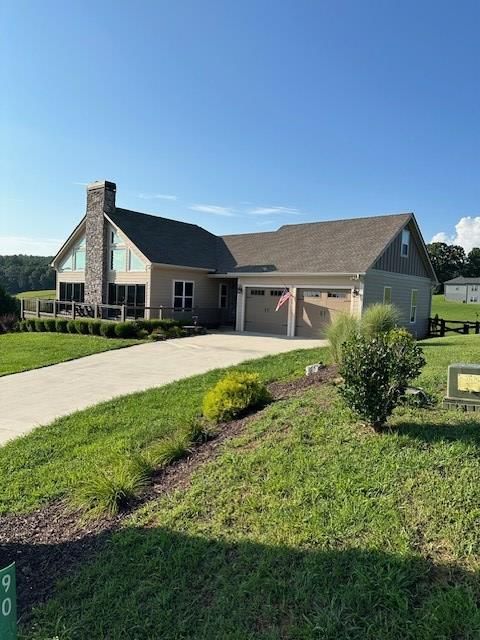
x=451 y=260
x=26 y=273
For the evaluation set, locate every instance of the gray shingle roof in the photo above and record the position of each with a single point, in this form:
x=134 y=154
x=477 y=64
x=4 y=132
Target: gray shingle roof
x=168 y=241
x=463 y=280
x=339 y=246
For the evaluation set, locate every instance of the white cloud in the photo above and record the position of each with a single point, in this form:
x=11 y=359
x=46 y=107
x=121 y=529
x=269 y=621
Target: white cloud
x=212 y=208
x=10 y=245
x=156 y=196
x=467 y=233
x=267 y=211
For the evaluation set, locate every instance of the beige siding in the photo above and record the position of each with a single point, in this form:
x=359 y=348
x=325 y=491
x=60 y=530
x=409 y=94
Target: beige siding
x=293 y=283
x=414 y=264
x=68 y=276
x=205 y=290
x=402 y=286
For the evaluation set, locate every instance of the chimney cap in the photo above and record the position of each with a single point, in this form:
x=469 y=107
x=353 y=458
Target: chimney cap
x=102 y=184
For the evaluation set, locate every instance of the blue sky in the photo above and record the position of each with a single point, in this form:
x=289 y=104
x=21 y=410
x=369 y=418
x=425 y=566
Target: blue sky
x=246 y=115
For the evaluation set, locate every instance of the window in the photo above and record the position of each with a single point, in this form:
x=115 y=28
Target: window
x=117 y=259
x=276 y=292
x=72 y=291
x=223 y=296
x=75 y=259
x=134 y=262
x=336 y=294
x=387 y=295
x=312 y=294
x=413 y=306
x=405 y=243
x=182 y=294
x=474 y=287
x=257 y=292
x=132 y=295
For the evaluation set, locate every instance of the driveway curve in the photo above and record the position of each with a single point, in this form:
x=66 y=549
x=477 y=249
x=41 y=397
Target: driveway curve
x=39 y=396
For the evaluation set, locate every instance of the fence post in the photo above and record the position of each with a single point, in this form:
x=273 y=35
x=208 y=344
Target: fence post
x=123 y=313
x=477 y=327
x=22 y=309
x=466 y=328
x=442 y=328
x=160 y=313
x=54 y=308
x=73 y=310
x=37 y=307
x=95 y=310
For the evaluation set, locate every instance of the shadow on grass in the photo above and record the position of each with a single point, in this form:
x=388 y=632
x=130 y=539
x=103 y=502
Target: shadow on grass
x=155 y=584
x=466 y=431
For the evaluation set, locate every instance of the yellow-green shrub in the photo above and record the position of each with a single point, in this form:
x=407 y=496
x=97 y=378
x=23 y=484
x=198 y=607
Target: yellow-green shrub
x=233 y=394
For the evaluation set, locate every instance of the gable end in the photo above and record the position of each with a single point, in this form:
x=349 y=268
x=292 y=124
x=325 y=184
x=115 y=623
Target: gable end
x=415 y=264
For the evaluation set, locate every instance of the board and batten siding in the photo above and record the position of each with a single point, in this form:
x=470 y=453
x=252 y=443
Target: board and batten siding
x=401 y=285
x=205 y=290
x=392 y=260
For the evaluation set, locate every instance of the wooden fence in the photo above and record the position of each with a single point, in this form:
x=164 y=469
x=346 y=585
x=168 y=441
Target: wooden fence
x=440 y=327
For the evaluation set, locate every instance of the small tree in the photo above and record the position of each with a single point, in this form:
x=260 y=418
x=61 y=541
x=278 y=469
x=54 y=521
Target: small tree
x=376 y=372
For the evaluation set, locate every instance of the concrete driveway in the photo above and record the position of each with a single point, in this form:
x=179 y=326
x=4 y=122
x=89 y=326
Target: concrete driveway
x=37 y=397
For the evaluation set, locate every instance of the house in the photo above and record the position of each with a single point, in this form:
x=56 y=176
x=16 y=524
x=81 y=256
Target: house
x=165 y=267
x=462 y=289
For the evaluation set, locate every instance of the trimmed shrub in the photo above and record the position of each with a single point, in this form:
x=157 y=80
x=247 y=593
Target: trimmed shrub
x=30 y=324
x=176 y=332
x=82 y=326
x=376 y=372
x=50 y=324
x=125 y=329
x=61 y=325
x=152 y=325
x=158 y=335
x=378 y=319
x=343 y=327
x=142 y=334
x=39 y=325
x=22 y=325
x=94 y=327
x=108 y=491
x=107 y=329
x=232 y=395
x=72 y=326
x=8 y=304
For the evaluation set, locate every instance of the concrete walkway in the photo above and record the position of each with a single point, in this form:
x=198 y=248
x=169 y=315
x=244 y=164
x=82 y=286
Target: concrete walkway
x=37 y=397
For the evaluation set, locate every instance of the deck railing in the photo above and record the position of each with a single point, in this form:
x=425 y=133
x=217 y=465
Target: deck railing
x=31 y=307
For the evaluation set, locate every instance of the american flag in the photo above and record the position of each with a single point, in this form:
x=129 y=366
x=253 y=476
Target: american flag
x=286 y=295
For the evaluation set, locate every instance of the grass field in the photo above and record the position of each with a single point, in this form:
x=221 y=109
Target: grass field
x=454 y=310
x=307 y=527
x=46 y=294
x=47 y=462
x=24 y=351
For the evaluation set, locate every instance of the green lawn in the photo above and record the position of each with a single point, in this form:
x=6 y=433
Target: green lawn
x=454 y=310
x=307 y=527
x=46 y=294
x=47 y=462
x=24 y=351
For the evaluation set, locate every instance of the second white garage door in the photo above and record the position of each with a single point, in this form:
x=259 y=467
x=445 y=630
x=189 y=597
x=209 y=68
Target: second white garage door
x=260 y=314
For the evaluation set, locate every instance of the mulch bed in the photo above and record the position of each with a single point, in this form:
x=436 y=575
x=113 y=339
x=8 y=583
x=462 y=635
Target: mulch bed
x=48 y=543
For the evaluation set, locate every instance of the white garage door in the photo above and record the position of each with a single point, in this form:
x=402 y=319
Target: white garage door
x=260 y=314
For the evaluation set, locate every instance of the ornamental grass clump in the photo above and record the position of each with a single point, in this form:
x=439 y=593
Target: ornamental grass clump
x=107 y=491
x=232 y=395
x=378 y=319
x=343 y=327
x=376 y=371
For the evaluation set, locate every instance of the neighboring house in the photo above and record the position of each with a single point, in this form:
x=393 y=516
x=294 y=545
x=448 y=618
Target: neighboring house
x=463 y=290
x=117 y=256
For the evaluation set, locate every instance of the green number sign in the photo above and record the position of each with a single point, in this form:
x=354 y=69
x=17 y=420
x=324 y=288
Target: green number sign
x=8 y=604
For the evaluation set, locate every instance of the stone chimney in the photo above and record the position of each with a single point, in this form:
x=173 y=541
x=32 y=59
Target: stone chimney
x=100 y=200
